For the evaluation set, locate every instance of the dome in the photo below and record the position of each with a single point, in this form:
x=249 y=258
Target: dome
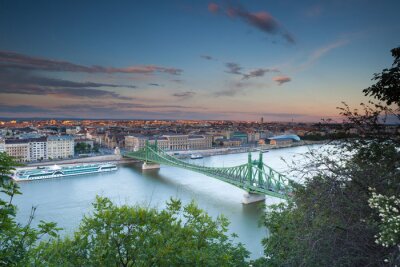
x=288 y=136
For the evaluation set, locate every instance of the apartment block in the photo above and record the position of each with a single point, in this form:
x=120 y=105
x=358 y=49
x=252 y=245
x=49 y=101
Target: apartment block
x=18 y=148
x=170 y=142
x=37 y=148
x=60 y=147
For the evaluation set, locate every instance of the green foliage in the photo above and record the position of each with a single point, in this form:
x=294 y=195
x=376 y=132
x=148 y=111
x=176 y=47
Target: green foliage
x=16 y=241
x=388 y=209
x=96 y=148
x=7 y=165
x=387 y=87
x=81 y=148
x=137 y=236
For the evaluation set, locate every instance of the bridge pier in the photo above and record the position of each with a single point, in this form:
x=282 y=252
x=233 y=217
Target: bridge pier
x=150 y=166
x=249 y=198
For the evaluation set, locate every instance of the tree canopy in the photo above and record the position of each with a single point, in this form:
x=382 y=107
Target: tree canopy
x=387 y=86
x=138 y=236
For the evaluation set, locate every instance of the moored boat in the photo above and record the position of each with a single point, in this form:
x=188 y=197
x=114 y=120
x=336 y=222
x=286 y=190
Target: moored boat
x=57 y=171
x=196 y=156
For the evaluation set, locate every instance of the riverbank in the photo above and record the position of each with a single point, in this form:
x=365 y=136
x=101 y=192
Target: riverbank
x=235 y=150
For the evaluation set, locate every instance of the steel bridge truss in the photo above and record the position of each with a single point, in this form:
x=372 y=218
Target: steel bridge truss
x=253 y=176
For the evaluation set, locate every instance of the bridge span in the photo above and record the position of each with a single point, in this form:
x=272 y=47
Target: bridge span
x=253 y=176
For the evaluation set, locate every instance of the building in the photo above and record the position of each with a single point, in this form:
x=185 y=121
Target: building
x=178 y=142
x=169 y=142
x=112 y=140
x=283 y=140
x=253 y=137
x=133 y=143
x=18 y=148
x=200 y=141
x=37 y=148
x=216 y=137
x=240 y=135
x=162 y=142
x=230 y=142
x=60 y=146
x=262 y=142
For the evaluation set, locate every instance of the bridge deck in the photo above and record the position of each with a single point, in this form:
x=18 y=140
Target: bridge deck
x=253 y=176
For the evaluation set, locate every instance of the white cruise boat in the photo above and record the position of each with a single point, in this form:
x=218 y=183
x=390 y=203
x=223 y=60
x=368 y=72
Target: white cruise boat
x=196 y=156
x=57 y=171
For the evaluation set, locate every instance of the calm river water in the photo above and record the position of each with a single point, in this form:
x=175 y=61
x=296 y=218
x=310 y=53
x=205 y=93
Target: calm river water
x=65 y=200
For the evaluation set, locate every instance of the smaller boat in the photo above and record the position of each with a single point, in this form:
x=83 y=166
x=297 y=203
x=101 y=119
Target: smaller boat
x=196 y=156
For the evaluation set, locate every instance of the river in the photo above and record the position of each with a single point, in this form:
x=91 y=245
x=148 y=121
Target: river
x=65 y=200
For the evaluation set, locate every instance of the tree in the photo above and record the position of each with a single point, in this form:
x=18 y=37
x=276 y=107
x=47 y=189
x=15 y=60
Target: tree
x=16 y=240
x=136 y=236
x=96 y=148
x=387 y=87
x=82 y=147
x=346 y=211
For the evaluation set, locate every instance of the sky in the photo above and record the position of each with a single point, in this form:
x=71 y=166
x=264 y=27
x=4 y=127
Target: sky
x=236 y=60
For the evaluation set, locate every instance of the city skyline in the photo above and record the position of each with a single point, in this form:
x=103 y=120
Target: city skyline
x=206 y=60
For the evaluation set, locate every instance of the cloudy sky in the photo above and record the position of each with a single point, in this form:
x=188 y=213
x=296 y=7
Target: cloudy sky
x=282 y=60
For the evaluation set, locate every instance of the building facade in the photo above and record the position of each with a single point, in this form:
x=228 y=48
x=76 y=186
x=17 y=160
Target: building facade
x=18 y=148
x=178 y=142
x=60 y=147
x=38 y=148
x=162 y=142
x=240 y=135
x=169 y=142
x=200 y=141
x=134 y=143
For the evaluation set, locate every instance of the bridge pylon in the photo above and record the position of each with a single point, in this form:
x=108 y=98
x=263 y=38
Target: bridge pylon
x=147 y=164
x=150 y=166
x=251 y=196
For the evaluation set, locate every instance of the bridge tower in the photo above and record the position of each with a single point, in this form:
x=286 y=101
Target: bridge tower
x=251 y=197
x=148 y=164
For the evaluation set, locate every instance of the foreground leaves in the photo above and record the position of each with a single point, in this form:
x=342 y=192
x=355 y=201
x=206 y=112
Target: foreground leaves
x=136 y=236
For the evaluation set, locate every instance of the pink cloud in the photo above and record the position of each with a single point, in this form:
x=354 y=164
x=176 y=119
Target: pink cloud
x=282 y=79
x=263 y=16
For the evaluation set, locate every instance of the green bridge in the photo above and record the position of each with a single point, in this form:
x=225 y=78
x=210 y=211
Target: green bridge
x=254 y=176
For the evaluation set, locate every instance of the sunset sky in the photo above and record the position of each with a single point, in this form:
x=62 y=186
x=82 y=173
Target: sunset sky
x=280 y=60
